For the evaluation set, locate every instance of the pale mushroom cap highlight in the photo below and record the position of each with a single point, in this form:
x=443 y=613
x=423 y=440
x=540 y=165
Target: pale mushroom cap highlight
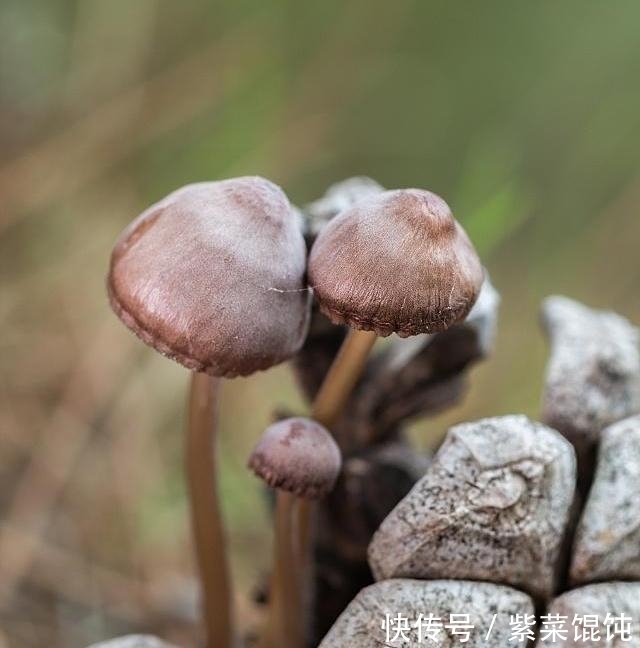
x=212 y=276
x=338 y=197
x=397 y=262
x=133 y=641
x=297 y=455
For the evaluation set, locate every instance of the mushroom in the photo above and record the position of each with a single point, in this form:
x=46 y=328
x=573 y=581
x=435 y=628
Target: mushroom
x=407 y=377
x=607 y=544
x=397 y=612
x=494 y=505
x=212 y=276
x=299 y=458
x=394 y=262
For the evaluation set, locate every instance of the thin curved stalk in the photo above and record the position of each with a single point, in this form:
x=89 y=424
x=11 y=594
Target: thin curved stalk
x=327 y=407
x=342 y=377
x=206 y=516
x=286 y=627
x=303 y=532
x=291 y=597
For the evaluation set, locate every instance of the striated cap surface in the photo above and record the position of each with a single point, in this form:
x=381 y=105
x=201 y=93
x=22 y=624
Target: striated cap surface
x=396 y=262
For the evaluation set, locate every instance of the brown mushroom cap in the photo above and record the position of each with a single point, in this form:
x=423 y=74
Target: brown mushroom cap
x=397 y=262
x=297 y=455
x=213 y=277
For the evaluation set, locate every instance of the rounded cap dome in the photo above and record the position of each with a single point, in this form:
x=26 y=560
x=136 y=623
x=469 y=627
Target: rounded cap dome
x=397 y=262
x=212 y=276
x=297 y=455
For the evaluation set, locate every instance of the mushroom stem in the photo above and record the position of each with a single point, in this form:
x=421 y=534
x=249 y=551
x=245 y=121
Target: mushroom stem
x=286 y=620
x=327 y=407
x=206 y=516
x=304 y=511
x=342 y=376
x=301 y=460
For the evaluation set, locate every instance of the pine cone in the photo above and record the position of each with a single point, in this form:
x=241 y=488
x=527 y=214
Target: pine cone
x=499 y=510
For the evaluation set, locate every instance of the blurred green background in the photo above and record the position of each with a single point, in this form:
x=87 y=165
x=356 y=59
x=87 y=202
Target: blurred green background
x=525 y=116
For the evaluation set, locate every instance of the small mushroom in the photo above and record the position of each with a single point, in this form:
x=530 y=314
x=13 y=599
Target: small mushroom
x=212 y=276
x=593 y=375
x=300 y=459
x=493 y=505
x=607 y=545
x=602 y=601
x=396 y=613
x=133 y=641
x=395 y=262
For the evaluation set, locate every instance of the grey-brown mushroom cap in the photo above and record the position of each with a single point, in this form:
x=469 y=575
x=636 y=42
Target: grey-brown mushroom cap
x=396 y=262
x=297 y=455
x=212 y=276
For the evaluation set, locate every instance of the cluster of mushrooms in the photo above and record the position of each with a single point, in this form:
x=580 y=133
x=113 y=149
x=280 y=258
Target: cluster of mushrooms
x=228 y=278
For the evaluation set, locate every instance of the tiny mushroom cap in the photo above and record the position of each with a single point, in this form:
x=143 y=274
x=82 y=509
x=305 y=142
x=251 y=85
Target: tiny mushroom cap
x=396 y=262
x=297 y=455
x=212 y=276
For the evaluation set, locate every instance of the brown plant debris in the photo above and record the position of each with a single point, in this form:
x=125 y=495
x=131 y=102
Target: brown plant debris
x=370 y=485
